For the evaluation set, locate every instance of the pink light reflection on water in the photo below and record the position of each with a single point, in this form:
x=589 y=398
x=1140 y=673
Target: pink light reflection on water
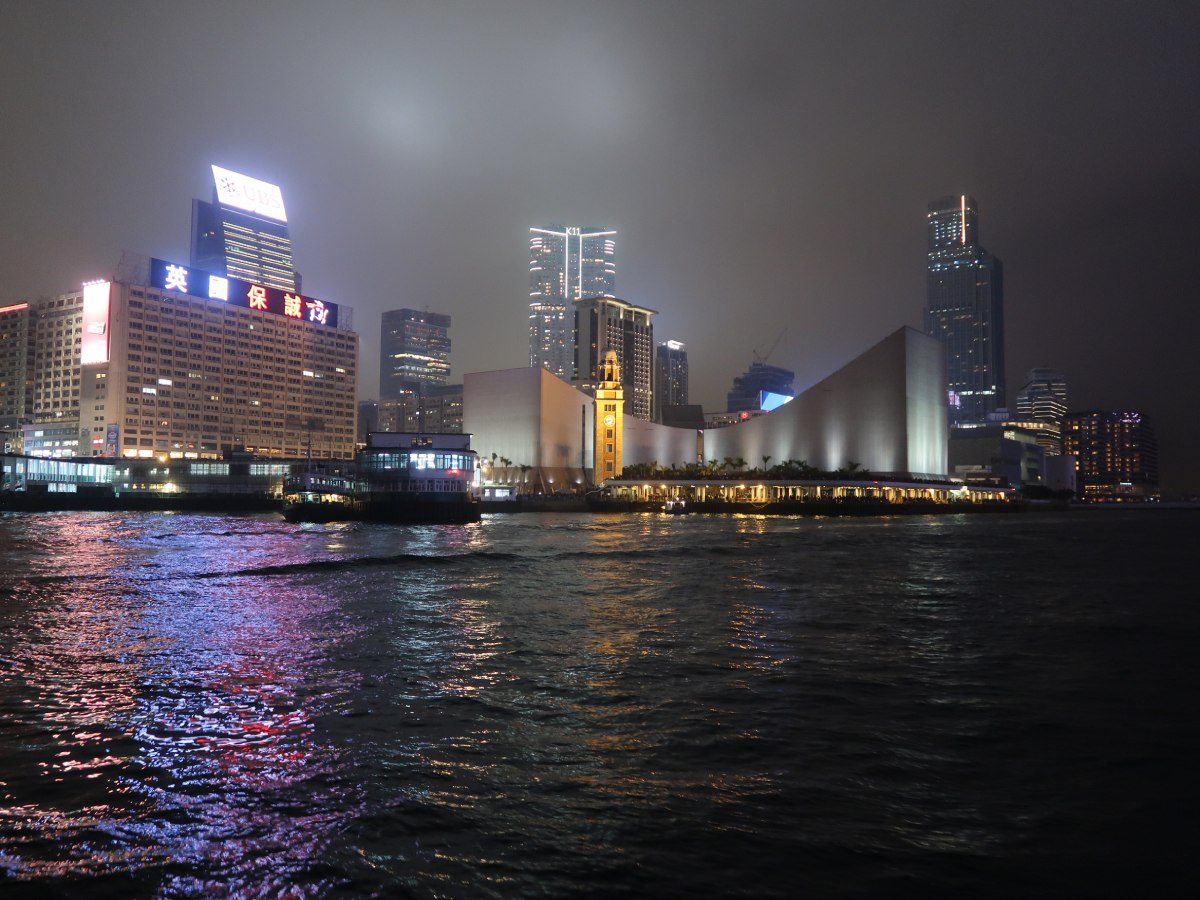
x=167 y=721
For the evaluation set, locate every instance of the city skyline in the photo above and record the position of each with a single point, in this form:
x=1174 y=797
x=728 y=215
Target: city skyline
x=777 y=177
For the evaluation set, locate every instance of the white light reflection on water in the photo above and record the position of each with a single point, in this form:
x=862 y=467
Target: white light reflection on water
x=191 y=697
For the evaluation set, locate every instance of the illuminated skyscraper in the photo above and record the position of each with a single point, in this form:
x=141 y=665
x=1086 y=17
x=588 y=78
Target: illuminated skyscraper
x=414 y=353
x=1043 y=403
x=670 y=377
x=243 y=233
x=565 y=264
x=1116 y=455
x=606 y=323
x=965 y=310
x=16 y=369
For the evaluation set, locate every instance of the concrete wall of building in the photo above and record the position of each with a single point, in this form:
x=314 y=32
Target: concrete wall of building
x=533 y=418
x=884 y=410
x=647 y=442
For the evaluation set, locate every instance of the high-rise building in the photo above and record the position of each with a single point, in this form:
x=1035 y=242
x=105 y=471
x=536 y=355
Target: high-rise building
x=670 y=377
x=606 y=323
x=760 y=387
x=1116 y=455
x=1042 y=402
x=566 y=263
x=178 y=363
x=965 y=310
x=16 y=371
x=436 y=410
x=243 y=233
x=414 y=353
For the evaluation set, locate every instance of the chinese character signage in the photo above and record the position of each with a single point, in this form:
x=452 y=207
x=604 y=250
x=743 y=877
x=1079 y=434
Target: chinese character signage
x=170 y=276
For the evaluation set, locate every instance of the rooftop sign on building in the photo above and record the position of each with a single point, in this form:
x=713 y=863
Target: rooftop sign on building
x=168 y=276
x=250 y=194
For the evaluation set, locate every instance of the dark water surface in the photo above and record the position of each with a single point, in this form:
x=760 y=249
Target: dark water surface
x=561 y=705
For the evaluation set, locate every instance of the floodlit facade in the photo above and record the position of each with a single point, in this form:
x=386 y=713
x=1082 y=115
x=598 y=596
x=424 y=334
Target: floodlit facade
x=414 y=353
x=180 y=363
x=606 y=323
x=566 y=263
x=16 y=371
x=884 y=410
x=670 y=377
x=243 y=233
x=965 y=310
x=529 y=427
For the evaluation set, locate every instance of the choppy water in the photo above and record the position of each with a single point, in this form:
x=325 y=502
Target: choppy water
x=564 y=705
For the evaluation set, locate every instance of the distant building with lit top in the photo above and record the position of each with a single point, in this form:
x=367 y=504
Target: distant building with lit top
x=566 y=263
x=414 y=353
x=753 y=389
x=243 y=233
x=1116 y=455
x=670 y=377
x=174 y=362
x=606 y=323
x=1042 y=401
x=16 y=372
x=965 y=310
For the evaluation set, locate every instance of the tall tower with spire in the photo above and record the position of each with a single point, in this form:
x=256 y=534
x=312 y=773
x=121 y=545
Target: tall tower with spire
x=965 y=310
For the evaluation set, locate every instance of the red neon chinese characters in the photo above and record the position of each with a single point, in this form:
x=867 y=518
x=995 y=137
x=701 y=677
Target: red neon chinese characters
x=318 y=312
x=257 y=296
x=291 y=306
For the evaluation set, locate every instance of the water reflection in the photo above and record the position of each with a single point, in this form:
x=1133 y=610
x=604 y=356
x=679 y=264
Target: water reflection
x=163 y=723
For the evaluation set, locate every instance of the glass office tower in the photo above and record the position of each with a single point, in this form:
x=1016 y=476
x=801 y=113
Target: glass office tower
x=965 y=310
x=566 y=263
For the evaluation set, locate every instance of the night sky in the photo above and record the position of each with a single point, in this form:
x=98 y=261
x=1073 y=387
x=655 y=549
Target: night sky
x=767 y=167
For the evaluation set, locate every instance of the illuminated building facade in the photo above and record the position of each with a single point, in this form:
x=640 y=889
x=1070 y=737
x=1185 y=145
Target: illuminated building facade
x=670 y=377
x=436 y=410
x=414 y=353
x=885 y=410
x=16 y=371
x=1116 y=455
x=243 y=233
x=606 y=323
x=609 y=420
x=180 y=363
x=1043 y=401
x=965 y=310
x=566 y=263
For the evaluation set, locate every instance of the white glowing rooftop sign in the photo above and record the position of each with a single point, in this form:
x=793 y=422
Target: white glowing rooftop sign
x=250 y=194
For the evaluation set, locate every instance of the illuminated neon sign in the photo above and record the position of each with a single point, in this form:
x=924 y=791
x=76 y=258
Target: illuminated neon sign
x=169 y=276
x=250 y=194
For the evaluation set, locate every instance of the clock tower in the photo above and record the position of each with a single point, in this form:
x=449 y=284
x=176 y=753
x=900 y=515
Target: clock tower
x=610 y=402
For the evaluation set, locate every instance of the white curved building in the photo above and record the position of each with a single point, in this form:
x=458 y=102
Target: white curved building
x=884 y=410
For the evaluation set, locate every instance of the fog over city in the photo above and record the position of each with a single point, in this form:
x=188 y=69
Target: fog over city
x=766 y=165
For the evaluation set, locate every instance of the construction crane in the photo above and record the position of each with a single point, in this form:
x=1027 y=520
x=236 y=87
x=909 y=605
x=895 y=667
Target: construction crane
x=775 y=343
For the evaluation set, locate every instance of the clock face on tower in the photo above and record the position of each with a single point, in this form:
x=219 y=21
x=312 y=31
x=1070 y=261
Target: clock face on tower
x=609 y=420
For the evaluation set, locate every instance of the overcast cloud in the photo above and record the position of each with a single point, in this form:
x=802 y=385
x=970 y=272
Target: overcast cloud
x=766 y=164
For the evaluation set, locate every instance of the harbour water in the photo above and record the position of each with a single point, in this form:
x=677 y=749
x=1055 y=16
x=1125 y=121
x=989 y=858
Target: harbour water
x=580 y=705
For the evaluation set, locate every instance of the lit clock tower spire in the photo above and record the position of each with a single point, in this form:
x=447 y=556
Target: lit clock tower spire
x=610 y=402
